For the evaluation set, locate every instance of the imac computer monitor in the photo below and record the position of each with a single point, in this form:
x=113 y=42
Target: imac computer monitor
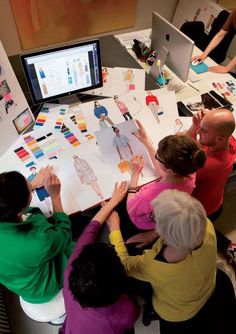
x=173 y=48
x=55 y=73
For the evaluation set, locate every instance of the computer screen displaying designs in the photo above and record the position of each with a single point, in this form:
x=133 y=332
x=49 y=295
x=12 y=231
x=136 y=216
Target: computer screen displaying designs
x=63 y=71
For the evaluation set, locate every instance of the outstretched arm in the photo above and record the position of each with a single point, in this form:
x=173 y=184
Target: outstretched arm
x=211 y=46
x=142 y=136
x=118 y=195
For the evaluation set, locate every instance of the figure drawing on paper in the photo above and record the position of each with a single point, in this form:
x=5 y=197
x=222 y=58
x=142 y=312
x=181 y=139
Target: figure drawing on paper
x=105 y=74
x=86 y=174
x=153 y=103
x=123 y=108
x=129 y=78
x=102 y=114
x=124 y=150
x=5 y=93
x=41 y=192
x=179 y=127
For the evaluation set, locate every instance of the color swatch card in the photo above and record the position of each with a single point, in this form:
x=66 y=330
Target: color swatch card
x=226 y=87
x=42 y=118
x=78 y=122
x=51 y=117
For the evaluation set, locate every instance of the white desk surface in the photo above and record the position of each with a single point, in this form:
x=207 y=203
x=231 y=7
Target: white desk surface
x=188 y=91
x=9 y=159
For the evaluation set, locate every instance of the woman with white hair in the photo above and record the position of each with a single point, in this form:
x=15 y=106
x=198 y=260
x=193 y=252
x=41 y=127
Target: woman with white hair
x=181 y=265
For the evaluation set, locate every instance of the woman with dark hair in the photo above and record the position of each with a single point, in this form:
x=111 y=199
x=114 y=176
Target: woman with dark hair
x=94 y=284
x=34 y=252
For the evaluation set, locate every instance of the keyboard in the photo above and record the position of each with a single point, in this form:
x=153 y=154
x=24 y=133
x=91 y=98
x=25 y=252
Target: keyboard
x=193 y=77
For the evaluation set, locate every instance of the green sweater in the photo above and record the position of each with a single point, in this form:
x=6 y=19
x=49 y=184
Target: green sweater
x=34 y=254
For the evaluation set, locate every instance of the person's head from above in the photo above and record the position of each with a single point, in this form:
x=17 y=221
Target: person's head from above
x=97 y=278
x=116 y=130
x=116 y=97
x=104 y=70
x=180 y=155
x=96 y=104
x=180 y=219
x=216 y=127
x=75 y=156
x=15 y=195
x=149 y=93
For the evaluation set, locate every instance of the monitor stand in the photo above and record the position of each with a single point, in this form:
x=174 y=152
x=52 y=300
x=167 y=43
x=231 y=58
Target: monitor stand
x=69 y=100
x=156 y=69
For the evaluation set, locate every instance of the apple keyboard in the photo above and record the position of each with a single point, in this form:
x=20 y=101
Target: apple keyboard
x=193 y=77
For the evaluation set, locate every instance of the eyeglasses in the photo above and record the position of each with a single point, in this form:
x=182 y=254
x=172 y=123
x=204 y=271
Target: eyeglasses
x=159 y=159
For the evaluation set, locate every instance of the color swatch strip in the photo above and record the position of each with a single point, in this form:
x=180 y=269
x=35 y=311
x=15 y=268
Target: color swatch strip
x=42 y=117
x=60 y=119
x=69 y=136
x=34 y=147
x=24 y=156
x=80 y=121
x=50 y=146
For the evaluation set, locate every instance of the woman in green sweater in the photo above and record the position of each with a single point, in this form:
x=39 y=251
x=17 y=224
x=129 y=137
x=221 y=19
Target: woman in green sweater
x=34 y=251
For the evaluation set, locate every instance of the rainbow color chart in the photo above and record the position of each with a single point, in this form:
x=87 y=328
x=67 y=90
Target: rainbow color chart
x=69 y=136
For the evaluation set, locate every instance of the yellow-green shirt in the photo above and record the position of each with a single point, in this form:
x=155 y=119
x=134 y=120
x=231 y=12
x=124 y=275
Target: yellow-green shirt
x=179 y=289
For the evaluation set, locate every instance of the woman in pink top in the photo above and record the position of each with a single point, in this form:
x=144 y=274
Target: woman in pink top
x=176 y=161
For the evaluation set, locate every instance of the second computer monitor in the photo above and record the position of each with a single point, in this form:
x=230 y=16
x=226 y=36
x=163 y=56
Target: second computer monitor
x=174 y=48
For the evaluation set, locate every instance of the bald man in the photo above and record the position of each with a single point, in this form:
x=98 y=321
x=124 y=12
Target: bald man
x=215 y=129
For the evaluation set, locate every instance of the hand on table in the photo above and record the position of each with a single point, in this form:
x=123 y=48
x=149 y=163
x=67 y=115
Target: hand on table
x=199 y=58
x=119 y=193
x=218 y=69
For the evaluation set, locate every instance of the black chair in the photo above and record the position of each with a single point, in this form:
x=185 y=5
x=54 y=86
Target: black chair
x=195 y=31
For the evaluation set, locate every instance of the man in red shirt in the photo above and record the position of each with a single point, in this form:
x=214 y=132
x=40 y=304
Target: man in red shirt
x=215 y=130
